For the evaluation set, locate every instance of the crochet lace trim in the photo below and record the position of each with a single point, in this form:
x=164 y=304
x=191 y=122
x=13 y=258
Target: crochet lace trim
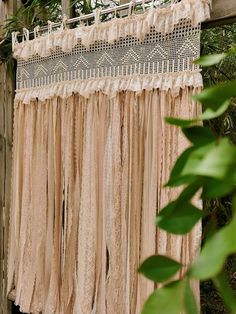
x=111 y=86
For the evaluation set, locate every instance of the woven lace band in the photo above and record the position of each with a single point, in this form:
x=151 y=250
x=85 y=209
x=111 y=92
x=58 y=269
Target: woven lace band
x=155 y=49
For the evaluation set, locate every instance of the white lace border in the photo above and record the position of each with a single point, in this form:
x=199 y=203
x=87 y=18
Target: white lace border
x=162 y=19
x=111 y=86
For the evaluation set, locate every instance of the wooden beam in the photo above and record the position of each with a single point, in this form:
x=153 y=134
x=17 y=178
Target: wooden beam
x=7 y=87
x=223 y=12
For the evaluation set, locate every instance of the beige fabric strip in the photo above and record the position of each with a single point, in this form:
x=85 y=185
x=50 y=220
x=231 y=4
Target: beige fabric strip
x=87 y=184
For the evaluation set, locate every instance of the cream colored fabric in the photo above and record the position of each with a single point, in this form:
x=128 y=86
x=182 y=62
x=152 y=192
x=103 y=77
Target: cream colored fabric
x=87 y=184
x=92 y=153
x=113 y=85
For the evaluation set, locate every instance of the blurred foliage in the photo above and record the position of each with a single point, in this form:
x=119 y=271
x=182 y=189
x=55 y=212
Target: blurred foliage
x=86 y=7
x=218 y=40
x=33 y=13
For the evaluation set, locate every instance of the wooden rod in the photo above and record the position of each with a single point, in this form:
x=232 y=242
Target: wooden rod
x=89 y=16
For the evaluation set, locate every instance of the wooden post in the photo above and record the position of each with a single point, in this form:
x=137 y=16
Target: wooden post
x=124 y=12
x=7 y=86
x=67 y=8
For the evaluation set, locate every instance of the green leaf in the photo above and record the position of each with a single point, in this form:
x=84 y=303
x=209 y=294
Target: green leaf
x=213 y=188
x=189 y=300
x=195 y=158
x=217 y=163
x=212 y=110
x=216 y=96
x=176 y=178
x=234 y=204
x=232 y=51
x=178 y=218
x=189 y=191
x=159 y=268
x=166 y=300
x=226 y=292
x=215 y=112
x=210 y=60
x=214 y=253
x=180 y=122
x=199 y=135
x=174 y=298
x=214 y=160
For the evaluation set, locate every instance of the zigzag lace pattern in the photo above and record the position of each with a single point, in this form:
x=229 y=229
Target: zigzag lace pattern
x=157 y=54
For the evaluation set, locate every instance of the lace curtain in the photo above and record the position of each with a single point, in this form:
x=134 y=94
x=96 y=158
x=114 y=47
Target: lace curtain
x=91 y=154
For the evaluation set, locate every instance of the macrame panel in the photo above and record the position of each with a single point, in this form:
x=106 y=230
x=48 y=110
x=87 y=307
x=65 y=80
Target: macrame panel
x=156 y=54
x=155 y=49
x=91 y=154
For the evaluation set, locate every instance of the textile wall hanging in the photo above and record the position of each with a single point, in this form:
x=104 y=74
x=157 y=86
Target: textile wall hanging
x=91 y=154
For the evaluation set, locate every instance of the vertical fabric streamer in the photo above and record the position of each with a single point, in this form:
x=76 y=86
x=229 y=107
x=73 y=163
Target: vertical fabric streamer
x=91 y=195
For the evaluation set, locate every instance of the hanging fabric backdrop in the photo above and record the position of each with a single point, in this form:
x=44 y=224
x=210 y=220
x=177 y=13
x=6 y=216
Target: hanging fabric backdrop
x=91 y=155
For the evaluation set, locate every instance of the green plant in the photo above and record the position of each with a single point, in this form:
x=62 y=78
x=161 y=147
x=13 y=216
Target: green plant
x=31 y=14
x=215 y=41
x=219 y=211
x=87 y=7
x=209 y=166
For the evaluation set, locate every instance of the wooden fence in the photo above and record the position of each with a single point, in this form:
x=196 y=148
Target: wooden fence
x=224 y=11
x=7 y=87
